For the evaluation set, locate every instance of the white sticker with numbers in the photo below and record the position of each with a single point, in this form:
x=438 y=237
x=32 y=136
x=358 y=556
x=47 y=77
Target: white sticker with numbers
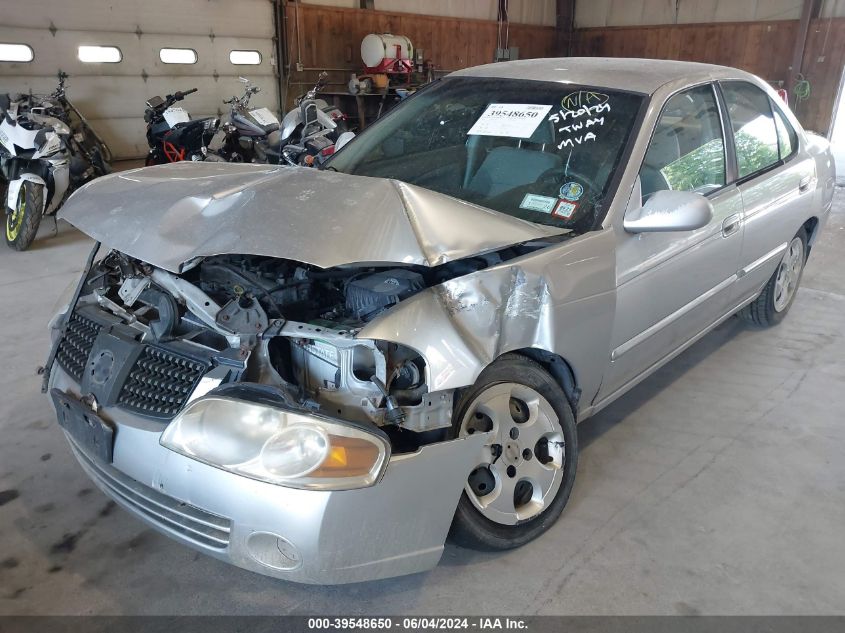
x=515 y=120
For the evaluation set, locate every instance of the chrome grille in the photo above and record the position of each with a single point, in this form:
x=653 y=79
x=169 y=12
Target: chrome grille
x=76 y=344
x=160 y=382
x=191 y=523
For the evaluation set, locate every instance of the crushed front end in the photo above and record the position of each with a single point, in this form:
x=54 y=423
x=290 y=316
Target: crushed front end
x=234 y=407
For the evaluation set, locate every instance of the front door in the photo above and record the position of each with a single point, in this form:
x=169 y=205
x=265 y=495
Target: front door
x=671 y=286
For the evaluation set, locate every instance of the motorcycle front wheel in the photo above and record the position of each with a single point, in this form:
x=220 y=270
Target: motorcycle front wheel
x=22 y=221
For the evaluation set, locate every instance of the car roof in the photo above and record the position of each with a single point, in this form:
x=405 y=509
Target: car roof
x=638 y=75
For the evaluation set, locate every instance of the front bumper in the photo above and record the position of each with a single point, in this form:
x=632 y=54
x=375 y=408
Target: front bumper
x=395 y=527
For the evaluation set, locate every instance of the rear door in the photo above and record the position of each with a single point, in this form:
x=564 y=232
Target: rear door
x=671 y=286
x=775 y=177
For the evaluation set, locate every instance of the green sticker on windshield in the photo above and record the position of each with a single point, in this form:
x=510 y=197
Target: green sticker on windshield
x=533 y=202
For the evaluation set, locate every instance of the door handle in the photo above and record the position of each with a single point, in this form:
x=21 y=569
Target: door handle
x=731 y=224
x=805 y=183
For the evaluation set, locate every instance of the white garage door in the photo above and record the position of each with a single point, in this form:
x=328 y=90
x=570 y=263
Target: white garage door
x=112 y=95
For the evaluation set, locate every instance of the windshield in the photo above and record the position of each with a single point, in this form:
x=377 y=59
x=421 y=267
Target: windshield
x=540 y=151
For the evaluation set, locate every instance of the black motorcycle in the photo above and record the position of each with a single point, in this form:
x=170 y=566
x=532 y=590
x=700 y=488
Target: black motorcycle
x=171 y=133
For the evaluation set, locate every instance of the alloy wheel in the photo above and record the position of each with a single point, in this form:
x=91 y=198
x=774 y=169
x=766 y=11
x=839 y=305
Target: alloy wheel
x=789 y=274
x=523 y=466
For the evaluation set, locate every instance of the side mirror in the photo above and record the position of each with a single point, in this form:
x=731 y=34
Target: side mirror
x=342 y=140
x=670 y=211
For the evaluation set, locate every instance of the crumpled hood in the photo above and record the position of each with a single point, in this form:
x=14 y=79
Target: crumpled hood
x=168 y=215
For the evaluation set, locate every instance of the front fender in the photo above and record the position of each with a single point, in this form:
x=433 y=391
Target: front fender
x=560 y=299
x=15 y=187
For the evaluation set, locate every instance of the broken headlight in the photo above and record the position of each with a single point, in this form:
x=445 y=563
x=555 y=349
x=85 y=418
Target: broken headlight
x=277 y=445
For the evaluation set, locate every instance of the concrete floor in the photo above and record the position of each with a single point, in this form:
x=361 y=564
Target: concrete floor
x=715 y=487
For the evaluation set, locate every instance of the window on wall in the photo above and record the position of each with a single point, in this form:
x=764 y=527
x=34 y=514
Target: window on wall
x=245 y=57
x=753 y=124
x=99 y=54
x=178 y=55
x=16 y=53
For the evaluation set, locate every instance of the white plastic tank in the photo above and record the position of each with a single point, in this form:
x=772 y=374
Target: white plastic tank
x=376 y=47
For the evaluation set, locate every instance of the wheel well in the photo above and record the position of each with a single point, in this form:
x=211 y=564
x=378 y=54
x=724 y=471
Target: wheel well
x=811 y=226
x=560 y=370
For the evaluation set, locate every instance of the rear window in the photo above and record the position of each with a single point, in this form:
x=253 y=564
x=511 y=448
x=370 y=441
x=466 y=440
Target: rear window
x=787 y=138
x=753 y=124
x=540 y=151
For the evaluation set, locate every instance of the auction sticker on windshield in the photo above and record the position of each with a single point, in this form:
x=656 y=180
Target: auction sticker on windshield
x=515 y=120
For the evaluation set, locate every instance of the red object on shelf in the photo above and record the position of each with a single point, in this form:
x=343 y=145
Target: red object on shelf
x=392 y=66
x=783 y=95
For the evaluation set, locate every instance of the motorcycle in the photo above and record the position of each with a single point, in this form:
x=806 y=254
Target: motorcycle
x=171 y=133
x=306 y=136
x=84 y=142
x=47 y=150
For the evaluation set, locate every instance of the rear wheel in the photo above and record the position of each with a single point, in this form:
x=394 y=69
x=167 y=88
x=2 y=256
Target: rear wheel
x=524 y=479
x=777 y=297
x=22 y=221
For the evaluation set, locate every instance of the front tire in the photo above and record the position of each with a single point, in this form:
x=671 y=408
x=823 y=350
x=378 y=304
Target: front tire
x=524 y=481
x=22 y=221
x=777 y=297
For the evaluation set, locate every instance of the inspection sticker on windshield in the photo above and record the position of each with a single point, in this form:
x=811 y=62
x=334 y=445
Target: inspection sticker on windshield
x=533 y=202
x=516 y=120
x=565 y=209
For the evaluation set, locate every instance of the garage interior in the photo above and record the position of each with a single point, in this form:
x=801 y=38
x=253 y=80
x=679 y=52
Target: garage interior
x=717 y=486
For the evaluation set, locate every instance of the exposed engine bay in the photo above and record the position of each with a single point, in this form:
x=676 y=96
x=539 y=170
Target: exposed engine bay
x=294 y=327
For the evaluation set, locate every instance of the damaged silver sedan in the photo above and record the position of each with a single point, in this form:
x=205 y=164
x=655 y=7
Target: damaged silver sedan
x=320 y=375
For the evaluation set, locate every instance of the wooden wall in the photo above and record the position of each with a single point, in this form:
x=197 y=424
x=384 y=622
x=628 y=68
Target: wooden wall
x=763 y=48
x=330 y=37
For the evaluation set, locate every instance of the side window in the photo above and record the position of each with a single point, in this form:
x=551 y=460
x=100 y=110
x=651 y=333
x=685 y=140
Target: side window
x=787 y=138
x=753 y=124
x=687 y=152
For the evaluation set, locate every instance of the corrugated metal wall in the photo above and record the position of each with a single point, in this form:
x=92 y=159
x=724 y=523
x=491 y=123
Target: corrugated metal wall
x=112 y=96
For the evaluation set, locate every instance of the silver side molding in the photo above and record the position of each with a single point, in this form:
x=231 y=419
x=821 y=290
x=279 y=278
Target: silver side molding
x=762 y=260
x=668 y=320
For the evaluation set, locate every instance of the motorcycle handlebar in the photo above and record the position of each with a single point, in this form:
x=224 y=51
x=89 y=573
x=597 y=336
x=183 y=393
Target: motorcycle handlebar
x=179 y=94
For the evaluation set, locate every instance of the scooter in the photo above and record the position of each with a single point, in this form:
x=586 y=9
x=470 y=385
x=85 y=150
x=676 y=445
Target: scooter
x=172 y=135
x=42 y=159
